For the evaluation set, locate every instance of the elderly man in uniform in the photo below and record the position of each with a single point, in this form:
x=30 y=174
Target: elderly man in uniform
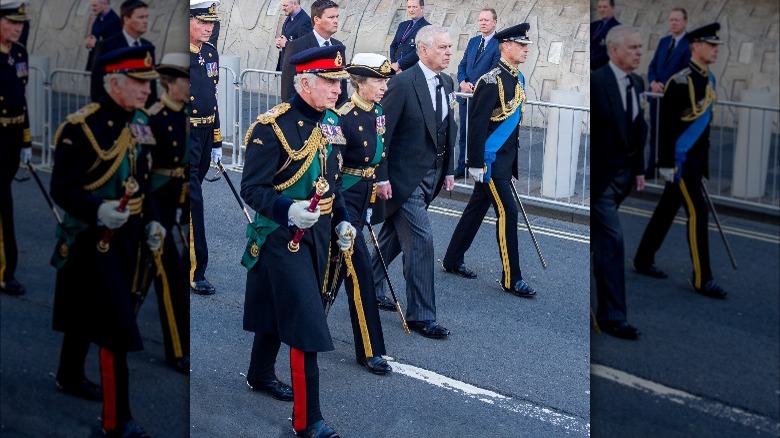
x=170 y=189
x=291 y=179
x=103 y=155
x=14 y=131
x=495 y=113
x=205 y=134
x=683 y=161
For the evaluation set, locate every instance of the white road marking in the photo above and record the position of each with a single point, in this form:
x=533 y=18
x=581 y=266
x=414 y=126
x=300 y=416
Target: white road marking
x=710 y=407
x=526 y=409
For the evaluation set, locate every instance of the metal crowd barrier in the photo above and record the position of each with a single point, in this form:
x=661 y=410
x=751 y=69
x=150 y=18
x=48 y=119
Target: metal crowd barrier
x=67 y=91
x=228 y=113
x=258 y=91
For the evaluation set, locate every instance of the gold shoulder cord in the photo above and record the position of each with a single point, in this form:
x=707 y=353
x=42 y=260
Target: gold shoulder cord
x=124 y=143
x=501 y=114
x=309 y=150
x=698 y=110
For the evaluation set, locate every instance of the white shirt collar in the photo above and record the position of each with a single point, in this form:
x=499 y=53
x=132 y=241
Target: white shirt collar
x=429 y=74
x=130 y=40
x=619 y=73
x=320 y=39
x=488 y=38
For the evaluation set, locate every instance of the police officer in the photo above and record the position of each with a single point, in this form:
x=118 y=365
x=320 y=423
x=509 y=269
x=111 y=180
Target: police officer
x=494 y=120
x=102 y=155
x=290 y=148
x=363 y=124
x=170 y=185
x=205 y=135
x=684 y=143
x=15 y=132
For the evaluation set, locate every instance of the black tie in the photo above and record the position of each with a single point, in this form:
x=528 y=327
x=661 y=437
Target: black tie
x=671 y=49
x=286 y=23
x=136 y=43
x=439 y=86
x=327 y=43
x=629 y=103
x=481 y=46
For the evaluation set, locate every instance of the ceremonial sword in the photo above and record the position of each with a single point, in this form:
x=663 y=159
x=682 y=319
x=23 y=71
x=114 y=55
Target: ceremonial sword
x=527 y=223
x=233 y=189
x=45 y=194
x=717 y=221
x=387 y=277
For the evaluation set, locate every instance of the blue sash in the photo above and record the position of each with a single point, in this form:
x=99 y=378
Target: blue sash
x=498 y=137
x=690 y=136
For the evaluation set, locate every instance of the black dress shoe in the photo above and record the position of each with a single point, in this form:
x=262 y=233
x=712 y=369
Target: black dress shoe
x=202 y=287
x=12 y=287
x=429 y=329
x=521 y=289
x=83 y=388
x=181 y=365
x=376 y=364
x=275 y=388
x=318 y=430
x=621 y=330
x=130 y=429
x=385 y=303
x=712 y=290
x=461 y=270
x=651 y=271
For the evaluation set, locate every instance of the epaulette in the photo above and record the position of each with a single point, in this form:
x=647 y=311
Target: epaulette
x=155 y=108
x=209 y=44
x=490 y=77
x=82 y=114
x=271 y=115
x=681 y=77
x=345 y=108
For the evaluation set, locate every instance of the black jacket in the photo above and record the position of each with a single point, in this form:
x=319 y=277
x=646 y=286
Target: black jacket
x=288 y=70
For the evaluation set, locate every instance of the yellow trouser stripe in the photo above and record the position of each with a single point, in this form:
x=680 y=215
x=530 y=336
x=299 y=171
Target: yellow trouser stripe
x=168 y=304
x=501 y=227
x=358 y=303
x=193 y=261
x=692 y=236
x=3 y=262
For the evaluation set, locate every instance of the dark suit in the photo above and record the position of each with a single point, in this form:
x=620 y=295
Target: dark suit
x=288 y=70
x=402 y=49
x=616 y=159
x=118 y=41
x=104 y=27
x=598 y=44
x=418 y=156
x=470 y=69
x=294 y=28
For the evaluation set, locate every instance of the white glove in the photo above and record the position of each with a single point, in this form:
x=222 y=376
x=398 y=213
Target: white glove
x=178 y=215
x=110 y=217
x=476 y=173
x=216 y=154
x=25 y=154
x=155 y=234
x=346 y=233
x=667 y=173
x=300 y=216
x=369 y=213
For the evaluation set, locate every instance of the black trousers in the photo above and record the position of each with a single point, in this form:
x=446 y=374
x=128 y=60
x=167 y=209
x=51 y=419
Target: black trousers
x=201 y=141
x=687 y=192
x=497 y=192
x=12 y=137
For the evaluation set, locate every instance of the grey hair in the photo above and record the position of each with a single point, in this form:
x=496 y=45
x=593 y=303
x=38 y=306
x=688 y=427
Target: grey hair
x=617 y=34
x=311 y=77
x=107 y=80
x=426 y=34
x=356 y=80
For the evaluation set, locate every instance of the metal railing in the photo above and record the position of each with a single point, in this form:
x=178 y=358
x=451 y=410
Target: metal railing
x=258 y=91
x=230 y=114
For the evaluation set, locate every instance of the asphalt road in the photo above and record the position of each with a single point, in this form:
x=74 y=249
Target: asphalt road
x=512 y=367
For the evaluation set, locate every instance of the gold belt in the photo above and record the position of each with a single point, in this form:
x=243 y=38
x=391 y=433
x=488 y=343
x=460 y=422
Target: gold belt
x=368 y=172
x=176 y=172
x=195 y=121
x=326 y=204
x=18 y=120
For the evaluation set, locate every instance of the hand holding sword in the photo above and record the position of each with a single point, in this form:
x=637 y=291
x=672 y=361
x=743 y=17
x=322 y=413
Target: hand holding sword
x=320 y=188
x=131 y=187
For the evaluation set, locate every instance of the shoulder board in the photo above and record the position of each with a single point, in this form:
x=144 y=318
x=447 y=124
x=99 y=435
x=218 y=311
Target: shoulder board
x=345 y=108
x=681 y=77
x=210 y=45
x=81 y=115
x=271 y=115
x=491 y=76
x=155 y=108
x=18 y=46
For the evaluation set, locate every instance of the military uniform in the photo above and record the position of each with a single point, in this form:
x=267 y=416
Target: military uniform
x=496 y=107
x=15 y=132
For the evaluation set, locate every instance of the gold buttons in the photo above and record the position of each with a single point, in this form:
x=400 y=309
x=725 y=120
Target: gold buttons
x=383 y=154
x=365 y=143
x=366 y=160
x=360 y=128
x=165 y=113
x=194 y=111
x=355 y=112
x=110 y=123
x=175 y=159
x=192 y=97
x=300 y=122
x=170 y=128
x=175 y=143
x=215 y=108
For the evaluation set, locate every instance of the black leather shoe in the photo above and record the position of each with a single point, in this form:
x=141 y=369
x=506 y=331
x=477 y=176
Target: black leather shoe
x=12 y=287
x=650 y=271
x=429 y=329
x=275 y=388
x=712 y=290
x=521 y=289
x=376 y=364
x=621 y=330
x=129 y=429
x=385 y=303
x=318 y=430
x=461 y=270
x=202 y=287
x=181 y=365
x=84 y=388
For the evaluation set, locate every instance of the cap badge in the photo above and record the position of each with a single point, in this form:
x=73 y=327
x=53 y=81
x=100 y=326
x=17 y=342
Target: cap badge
x=148 y=59
x=213 y=8
x=338 y=61
x=385 y=68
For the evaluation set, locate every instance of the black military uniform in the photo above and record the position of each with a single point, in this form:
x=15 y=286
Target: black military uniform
x=205 y=135
x=686 y=111
x=289 y=148
x=101 y=151
x=15 y=134
x=170 y=178
x=363 y=124
x=494 y=115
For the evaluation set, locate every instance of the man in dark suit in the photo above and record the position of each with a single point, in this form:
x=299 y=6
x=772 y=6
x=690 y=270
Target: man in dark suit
x=419 y=141
x=480 y=56
x=618 y=134
x=106 y=25
x=297 y=24
x=135 y=22
x=325 y=16
x=403 y=52
x=671 y=56
x=598 y=33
